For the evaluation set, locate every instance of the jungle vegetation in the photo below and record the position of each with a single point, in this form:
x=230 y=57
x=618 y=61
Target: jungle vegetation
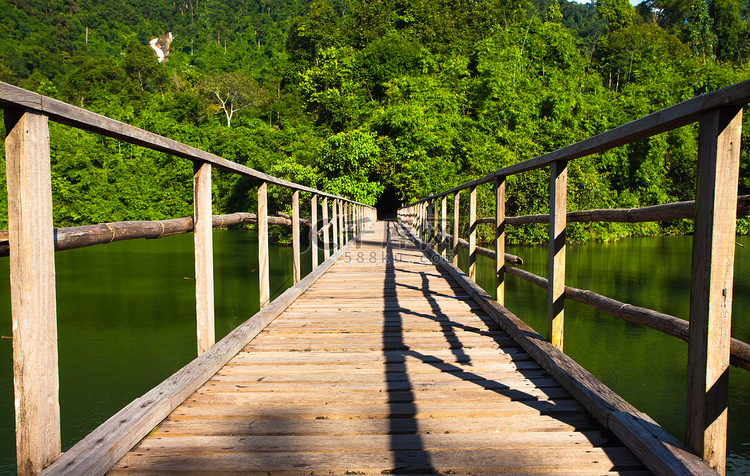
x=384 y=101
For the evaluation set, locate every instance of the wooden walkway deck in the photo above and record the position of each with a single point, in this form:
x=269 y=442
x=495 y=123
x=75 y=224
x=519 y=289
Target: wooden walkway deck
x=383 y=366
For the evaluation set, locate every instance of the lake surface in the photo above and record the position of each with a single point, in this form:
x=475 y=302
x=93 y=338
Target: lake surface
x=126 y=321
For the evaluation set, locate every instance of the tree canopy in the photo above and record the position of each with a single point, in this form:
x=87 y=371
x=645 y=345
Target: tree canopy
x=384 y=101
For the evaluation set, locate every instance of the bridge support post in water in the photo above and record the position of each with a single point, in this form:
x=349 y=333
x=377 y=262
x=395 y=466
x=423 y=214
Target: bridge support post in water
x=32 y=285
x=711 y=285
x=558 y=200
x=204 y=258
x=500 y=239
x=264 y=278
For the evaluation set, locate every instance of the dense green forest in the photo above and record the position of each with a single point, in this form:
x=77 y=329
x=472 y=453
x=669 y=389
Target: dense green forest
x=384 y=101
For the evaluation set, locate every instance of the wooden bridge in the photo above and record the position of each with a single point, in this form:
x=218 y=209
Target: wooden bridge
x=386 y=358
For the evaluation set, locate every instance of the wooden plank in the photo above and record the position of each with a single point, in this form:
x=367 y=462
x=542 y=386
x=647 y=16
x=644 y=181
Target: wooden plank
x=264 y=278
x=712 y=276
x=32 y=286
x=204 y=257
x=558 y=194
x=547 y=461
x=659 y=451
x=425 y=442
x=500 y=239
x=182 y=427
x=473 y=233
x=106 y=445
x=296 y=264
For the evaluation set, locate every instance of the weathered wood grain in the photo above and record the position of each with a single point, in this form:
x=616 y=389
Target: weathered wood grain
x=102 y=448
x=558 y=200
x=296 y=264
x=659 y=451
x=32 y=291
x=712 y=275
x=204 y=257
x=264 y=278
x=384 y=368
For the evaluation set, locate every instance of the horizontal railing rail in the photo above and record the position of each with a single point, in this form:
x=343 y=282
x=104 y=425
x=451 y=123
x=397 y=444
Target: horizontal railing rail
x=32 y=241
x=719 y=115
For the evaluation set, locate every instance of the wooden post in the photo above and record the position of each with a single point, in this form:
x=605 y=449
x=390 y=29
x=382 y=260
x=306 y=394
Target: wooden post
x=342 y=242
x=444 y=227
x=204 y=258
x=456 y=207
x=711 y=284
x=263 y=269
x=500 y=239
x=314 y=230
x=327 y=232
x=436 y=242
x=473 y=232
x=296 y=271
x=556 y=261
x=32 y=288
x=335 y=223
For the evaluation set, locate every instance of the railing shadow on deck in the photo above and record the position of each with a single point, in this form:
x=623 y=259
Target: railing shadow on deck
x=32 y=241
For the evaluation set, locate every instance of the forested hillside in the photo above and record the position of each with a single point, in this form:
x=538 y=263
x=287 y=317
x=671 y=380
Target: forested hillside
x=382 y=100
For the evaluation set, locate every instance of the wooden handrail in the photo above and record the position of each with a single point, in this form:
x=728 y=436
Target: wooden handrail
x=719 y=115
x=664 y=120
x=32 y=242
x=64 y=113
x=663 y=212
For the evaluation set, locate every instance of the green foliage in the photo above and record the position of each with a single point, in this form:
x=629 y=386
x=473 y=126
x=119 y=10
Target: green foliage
x=381 y=101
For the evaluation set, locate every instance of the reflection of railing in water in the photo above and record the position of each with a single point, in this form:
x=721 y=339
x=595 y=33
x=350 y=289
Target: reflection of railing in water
x=32 y=241
x=719 y=115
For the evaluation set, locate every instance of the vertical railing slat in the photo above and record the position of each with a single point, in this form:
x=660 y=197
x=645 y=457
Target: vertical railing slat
x=314 y=230
x=435 y=243
x=327 y=230
x=500 y=239
x=296 y=262
x=204 y=261
x=456 y=213
x=32 y=285
x=556 y=259
x=335 y=224
x=264 y=278
x=473 y=232
x=443 y=226
x=711 y=284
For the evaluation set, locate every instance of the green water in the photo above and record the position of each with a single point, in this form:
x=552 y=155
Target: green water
x=126 y=321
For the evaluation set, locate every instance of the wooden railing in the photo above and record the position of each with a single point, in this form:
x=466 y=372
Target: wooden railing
x=719 y=115
x=32 y=241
